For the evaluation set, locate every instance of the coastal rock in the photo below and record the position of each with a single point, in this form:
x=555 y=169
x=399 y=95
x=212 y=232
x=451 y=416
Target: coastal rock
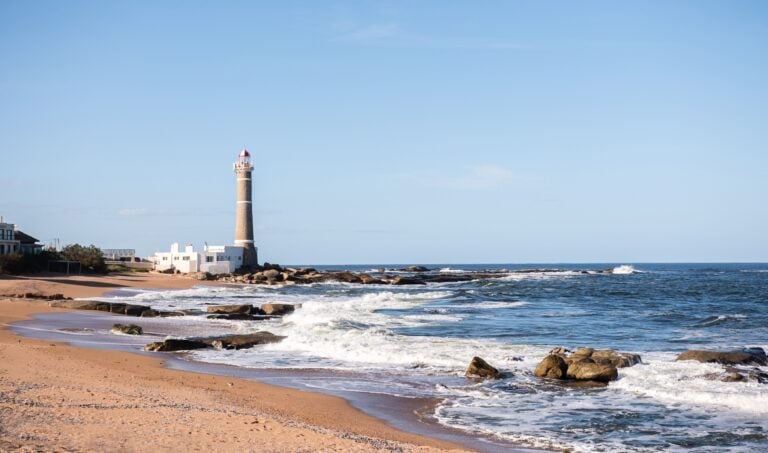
x=414 y=269
x=400 y=280
x=201 y=275
x=752 y=356
x=150 y=313
x=270 y=273
x=606 y=357
x=128 y=329
x=232 y=316
x=245 y=341
x=366 y=279
x=345 y=277
x=447 y=278
x=231 y=309
x=277 y=309
x=552 y=367
x=587 y=370
x=480 y=368
x=174 y=344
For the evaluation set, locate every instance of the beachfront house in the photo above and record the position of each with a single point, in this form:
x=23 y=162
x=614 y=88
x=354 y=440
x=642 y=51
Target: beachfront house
x=216 y=259
x=16 y=241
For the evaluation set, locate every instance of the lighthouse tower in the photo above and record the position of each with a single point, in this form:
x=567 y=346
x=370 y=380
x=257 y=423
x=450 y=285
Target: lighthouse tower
x=244 y=213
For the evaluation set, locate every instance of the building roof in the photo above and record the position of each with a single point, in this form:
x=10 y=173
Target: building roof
x=24 y=238
x=245 y=153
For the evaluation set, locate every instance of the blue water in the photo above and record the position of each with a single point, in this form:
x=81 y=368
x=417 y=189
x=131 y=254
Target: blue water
x=417 y=341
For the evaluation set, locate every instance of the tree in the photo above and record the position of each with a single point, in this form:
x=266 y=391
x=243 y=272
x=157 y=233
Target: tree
x=90 y=257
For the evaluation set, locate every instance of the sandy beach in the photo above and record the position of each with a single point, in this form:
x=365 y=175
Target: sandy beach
x=54 y=397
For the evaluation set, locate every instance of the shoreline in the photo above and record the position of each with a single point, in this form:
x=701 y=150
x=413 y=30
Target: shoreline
x=52 y=370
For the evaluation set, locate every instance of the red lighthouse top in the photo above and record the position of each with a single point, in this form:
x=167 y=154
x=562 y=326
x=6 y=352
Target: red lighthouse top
x=243 y=161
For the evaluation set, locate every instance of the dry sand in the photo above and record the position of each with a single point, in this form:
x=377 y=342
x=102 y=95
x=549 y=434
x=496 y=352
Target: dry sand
x=54 y=397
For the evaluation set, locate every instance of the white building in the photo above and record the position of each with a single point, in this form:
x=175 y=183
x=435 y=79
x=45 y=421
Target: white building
x=216 y=259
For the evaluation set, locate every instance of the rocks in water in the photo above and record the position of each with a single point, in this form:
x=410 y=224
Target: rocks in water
x=588 y=370
x=232 y=309
x=480 y=368
x=128 y=329
x=751 y=356
x=175 y=344
x=733 y=374
x=553 y=367
x=222 y=342
x=414 y=269
x=585 y=364
x=277 y=309
x=400 y=280
x=117 y=308
x=245 y=341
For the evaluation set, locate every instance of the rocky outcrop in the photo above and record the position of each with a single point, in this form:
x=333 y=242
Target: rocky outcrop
x=734 y=374
x=201 y=275
x=400 y=280
x=480 y=368
x=233 y=309
x=245 y=341
x=175 y=344
x=588 y=370
x=751 y=356
x=277 y=309
x=128 y=329
x=552 y=367
x=414 y=269
x=116 y=308
x=57 y=296
x=221 y=342
x=585 y=364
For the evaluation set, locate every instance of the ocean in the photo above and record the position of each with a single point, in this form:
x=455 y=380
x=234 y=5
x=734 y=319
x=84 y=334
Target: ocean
x=416 y=342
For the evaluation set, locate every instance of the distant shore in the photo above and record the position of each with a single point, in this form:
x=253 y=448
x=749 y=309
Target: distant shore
x=53 y=396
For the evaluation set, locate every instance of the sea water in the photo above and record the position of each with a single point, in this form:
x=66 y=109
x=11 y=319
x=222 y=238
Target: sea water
x=416 y=341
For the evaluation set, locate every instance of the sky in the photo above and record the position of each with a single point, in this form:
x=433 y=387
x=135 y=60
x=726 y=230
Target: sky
x=392 y=132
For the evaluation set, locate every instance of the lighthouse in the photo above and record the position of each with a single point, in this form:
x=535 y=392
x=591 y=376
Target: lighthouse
x=244 y=213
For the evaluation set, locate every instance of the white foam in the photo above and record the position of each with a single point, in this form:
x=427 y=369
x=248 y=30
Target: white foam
x=448 y=270
x=624 y=269
x=686 y=382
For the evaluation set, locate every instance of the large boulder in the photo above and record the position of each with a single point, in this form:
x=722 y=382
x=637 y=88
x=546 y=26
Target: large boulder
x=231 y=309
x=271 y=273
x=245 y=341
x=480 y=368
x=414 y=269
x=277 y=309
x=175 y=344
x=343 y=276
x=606 y=357
x=552 y=367
x=127 y=329
x=752 y=356
x=587 y=370
x=400 y=280
x=201 y=275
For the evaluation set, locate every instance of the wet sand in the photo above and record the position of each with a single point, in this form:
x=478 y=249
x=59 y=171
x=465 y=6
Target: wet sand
x=55 y=397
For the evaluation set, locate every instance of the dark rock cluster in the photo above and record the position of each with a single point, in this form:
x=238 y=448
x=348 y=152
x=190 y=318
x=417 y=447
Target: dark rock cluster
x=584 y=364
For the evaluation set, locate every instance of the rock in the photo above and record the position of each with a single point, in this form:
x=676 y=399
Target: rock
x=232 y=316
x=277 y=309
x=245 y=341
x=586 y=370
x=231 y=309
x=583 y=352
x=560 y=351
x=552 y=367
x=400 y=280
x=615 y=359
x=343 y=276
x=366 y=279
x=201 y=275
x=480 y=368
x=270 y=273
x=446 y=278
x=753 y=356
x=151 y=313
x=128 y=329
x=415 y=269
x=173 y=344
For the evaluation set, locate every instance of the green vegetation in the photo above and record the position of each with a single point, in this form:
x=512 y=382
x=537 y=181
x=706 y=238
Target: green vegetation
x=124 y=268
x=89 y=257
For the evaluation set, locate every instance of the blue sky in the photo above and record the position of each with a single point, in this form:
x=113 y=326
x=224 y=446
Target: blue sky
x=392 y=132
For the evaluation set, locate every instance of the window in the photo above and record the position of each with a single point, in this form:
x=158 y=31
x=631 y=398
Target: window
x=165 y=258
x=186 y=258
x=208 y=259
x=239 y=258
